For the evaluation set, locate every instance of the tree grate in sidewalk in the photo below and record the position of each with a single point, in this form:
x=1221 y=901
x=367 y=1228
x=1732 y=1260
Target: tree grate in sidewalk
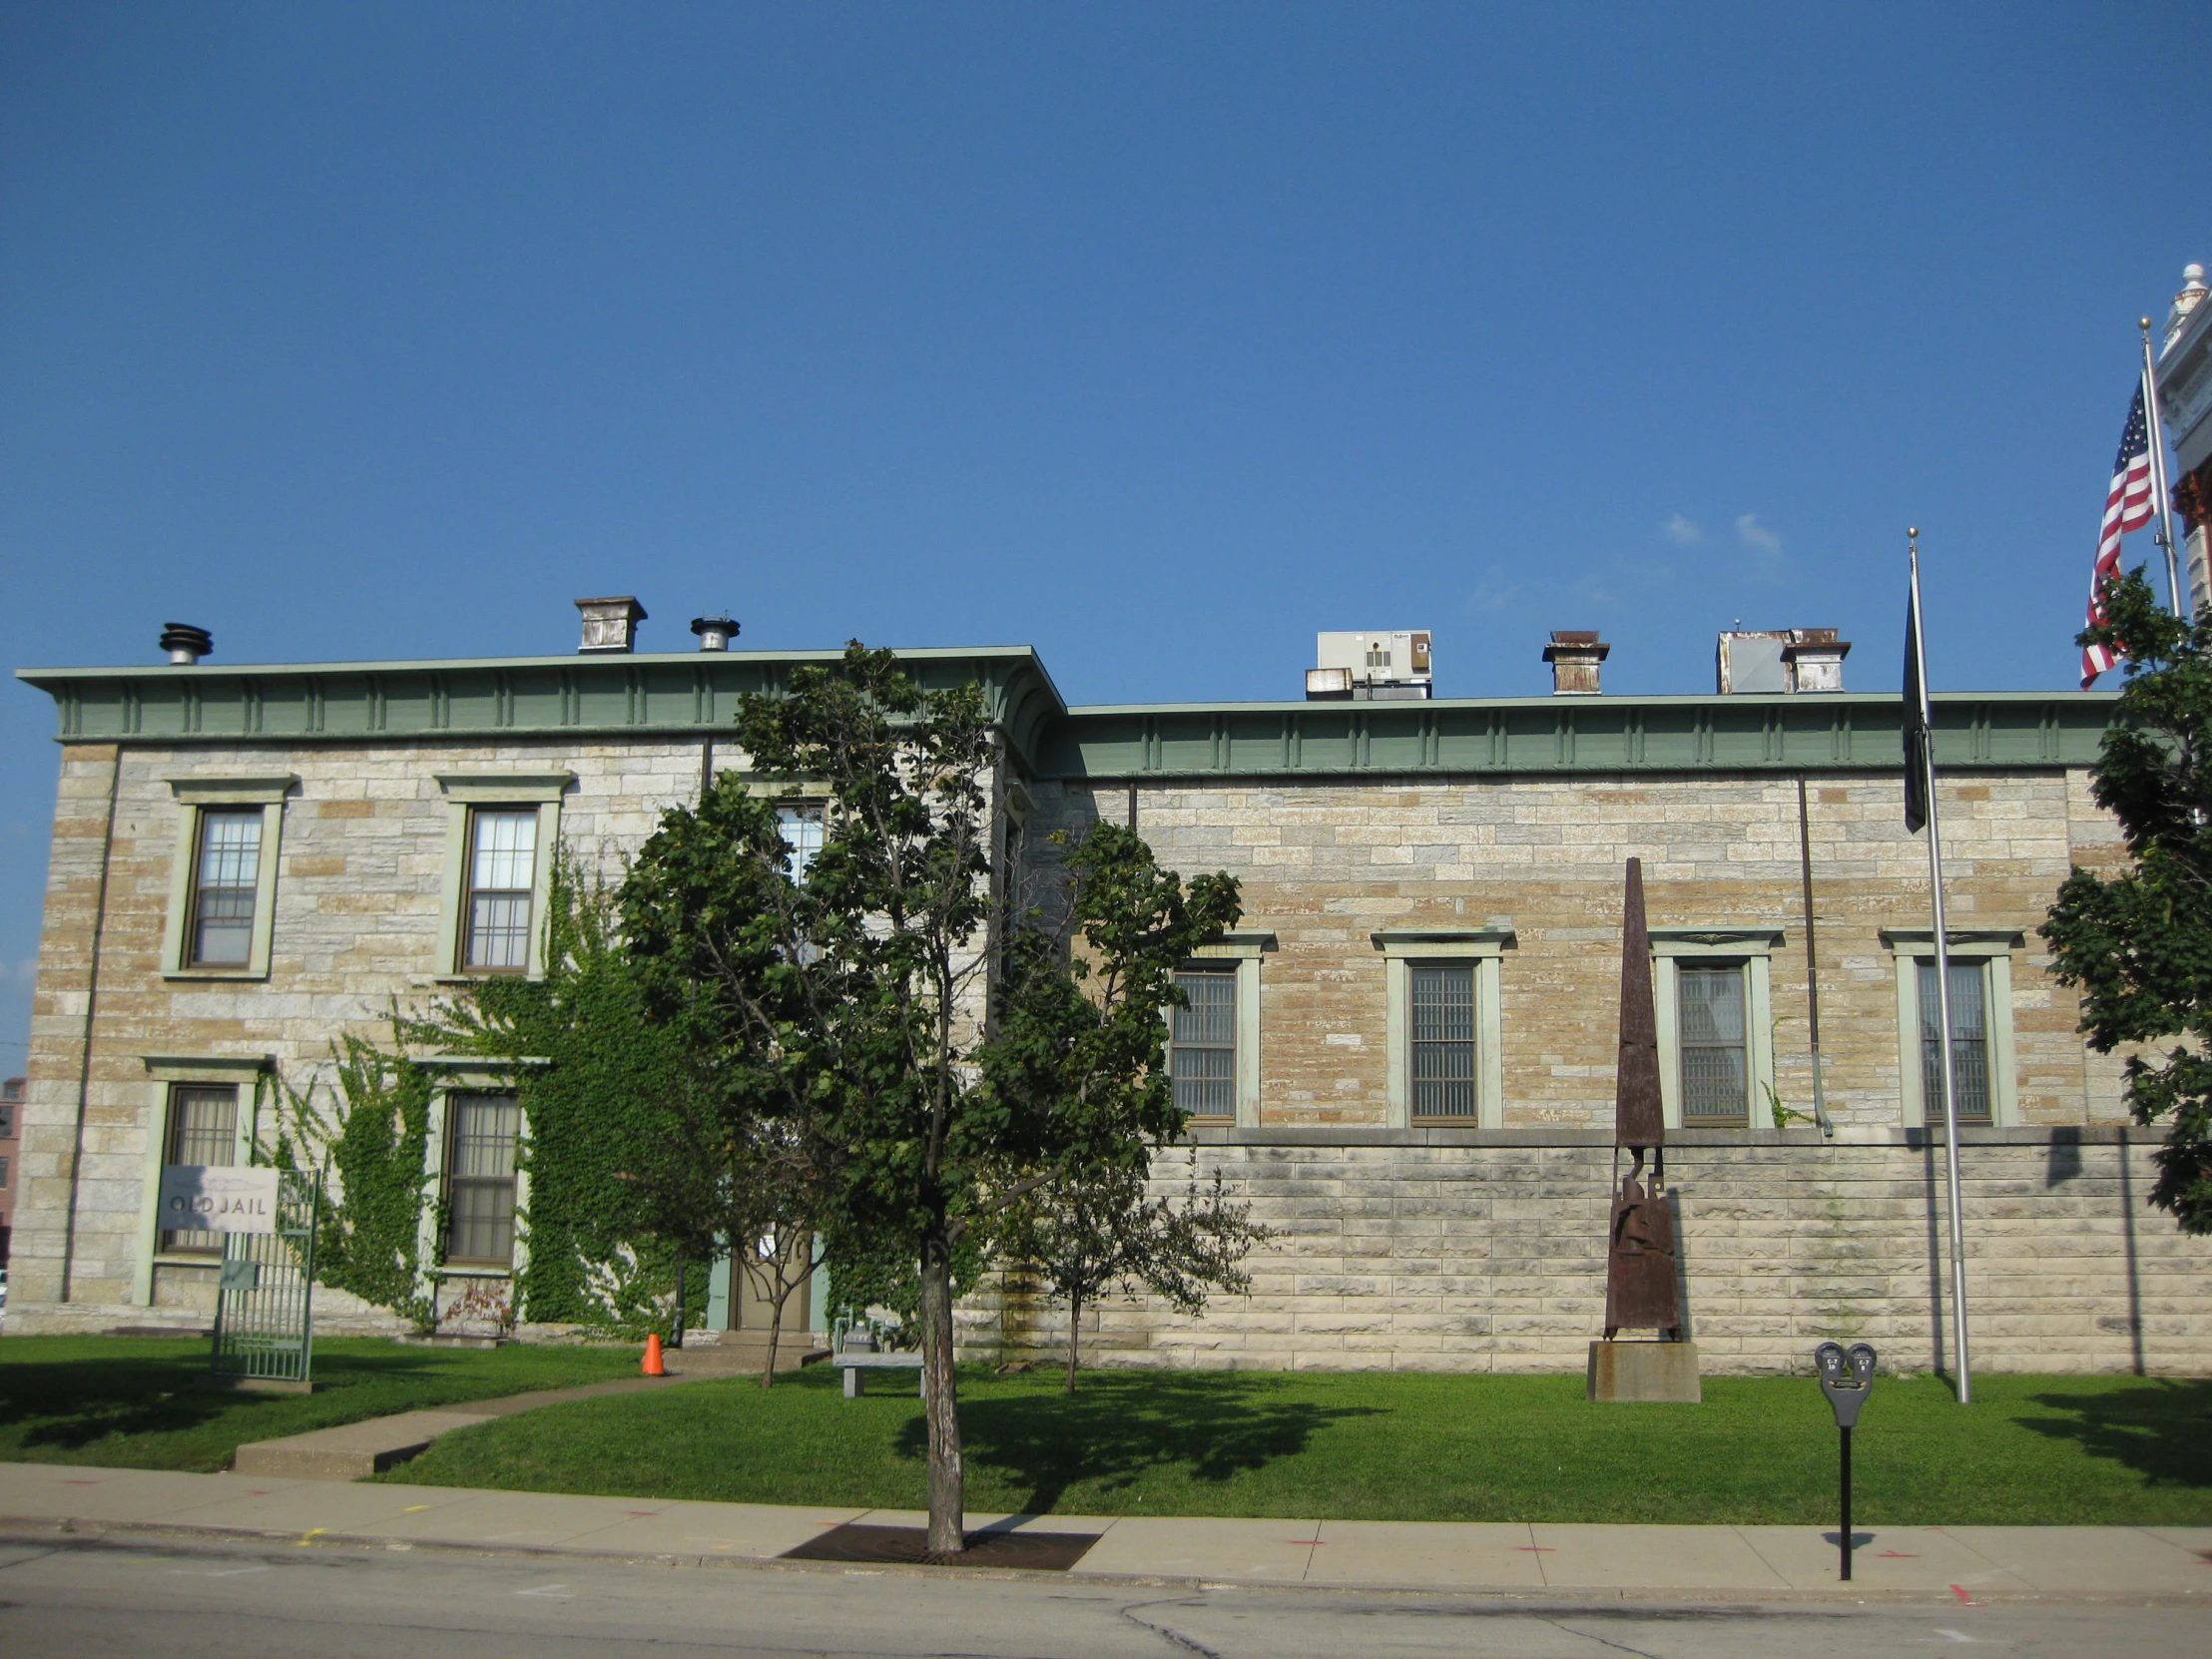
x=858 y=1541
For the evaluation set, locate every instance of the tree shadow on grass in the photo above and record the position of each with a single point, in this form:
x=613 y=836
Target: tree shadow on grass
x=1116 y=1429
x=2161 y=1430
x=71 y=1404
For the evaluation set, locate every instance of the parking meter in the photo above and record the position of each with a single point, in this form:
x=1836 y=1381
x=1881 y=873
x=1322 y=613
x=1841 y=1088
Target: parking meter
x=1845 y=1379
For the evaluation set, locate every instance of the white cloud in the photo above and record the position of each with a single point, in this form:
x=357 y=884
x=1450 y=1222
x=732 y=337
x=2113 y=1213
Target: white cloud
x=1681 y=531
x=1491 y=594
x=1752 y=533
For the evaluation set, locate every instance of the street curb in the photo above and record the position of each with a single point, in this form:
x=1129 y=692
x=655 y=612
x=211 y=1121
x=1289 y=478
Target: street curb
x=18 y=1530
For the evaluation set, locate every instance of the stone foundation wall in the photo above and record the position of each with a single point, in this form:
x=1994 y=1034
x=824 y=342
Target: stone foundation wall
x=1423 y=1250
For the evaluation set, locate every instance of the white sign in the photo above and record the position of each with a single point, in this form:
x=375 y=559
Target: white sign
x=218 y=1198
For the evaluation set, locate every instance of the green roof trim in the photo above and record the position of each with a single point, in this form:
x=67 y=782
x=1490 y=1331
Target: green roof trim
x=662 y=693
x=1602 y=733
x=695 y=694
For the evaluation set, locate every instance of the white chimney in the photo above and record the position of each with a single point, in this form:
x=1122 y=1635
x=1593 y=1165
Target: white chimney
x=610 y=624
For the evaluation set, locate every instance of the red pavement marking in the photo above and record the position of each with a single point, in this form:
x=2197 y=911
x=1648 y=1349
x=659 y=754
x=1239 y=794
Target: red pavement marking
x=1897 y=1555
x=1960 y=1590
x=641 y=1511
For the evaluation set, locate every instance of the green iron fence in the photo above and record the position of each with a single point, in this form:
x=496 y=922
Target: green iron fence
x=265 y=1303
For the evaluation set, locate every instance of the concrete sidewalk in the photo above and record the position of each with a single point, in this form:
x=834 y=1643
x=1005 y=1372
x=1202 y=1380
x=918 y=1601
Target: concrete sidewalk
x=1947 y=1564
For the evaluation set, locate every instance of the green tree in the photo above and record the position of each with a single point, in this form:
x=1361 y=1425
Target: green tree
x=2138 y=943
x=1086 y=1234
x=857 y=1003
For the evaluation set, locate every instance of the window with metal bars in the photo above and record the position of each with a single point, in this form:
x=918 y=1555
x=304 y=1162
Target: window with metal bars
x=1710 y=1022
x=225 y=871
x=1969 y=1041
x=1202 y=1052
x=203 y=1129
x=1443 y=1039
x=481 y=1132
x=502 y=871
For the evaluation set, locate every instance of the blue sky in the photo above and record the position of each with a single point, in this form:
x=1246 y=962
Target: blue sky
x=1156 y=336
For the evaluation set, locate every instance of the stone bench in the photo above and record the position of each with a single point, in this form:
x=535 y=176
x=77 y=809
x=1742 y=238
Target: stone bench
x=857 y=1362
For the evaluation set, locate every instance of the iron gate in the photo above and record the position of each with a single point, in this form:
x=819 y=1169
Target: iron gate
x=264 y=1301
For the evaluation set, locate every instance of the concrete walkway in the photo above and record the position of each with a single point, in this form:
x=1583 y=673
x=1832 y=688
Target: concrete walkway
x=1950 y=1564
x=353 y=1450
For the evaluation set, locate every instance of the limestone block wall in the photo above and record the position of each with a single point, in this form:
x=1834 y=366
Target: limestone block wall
x=1433 y=1250
x=357 y=923
x=1324 y=864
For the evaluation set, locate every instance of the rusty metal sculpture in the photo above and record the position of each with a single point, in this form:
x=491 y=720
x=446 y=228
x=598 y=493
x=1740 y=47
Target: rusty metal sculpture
x=1640 y=1289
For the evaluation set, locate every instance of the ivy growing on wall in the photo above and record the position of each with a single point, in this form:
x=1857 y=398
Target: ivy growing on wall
x=593 y=1077
x=367 y=1132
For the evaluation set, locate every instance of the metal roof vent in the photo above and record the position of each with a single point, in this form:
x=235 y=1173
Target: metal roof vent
x=714 y=631
x=186 y=643
x=610 y=624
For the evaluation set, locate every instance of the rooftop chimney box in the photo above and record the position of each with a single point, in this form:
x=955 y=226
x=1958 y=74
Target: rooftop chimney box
x=1778 y=660
x=610 y=624
x=1378 y=666
x=1575 y=654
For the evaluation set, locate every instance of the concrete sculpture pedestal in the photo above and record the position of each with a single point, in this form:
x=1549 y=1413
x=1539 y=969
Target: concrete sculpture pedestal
x=1645 y=1371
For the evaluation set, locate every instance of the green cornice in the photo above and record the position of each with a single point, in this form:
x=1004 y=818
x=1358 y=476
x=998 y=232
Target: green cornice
x=693 y=694
x=1805 y=730
x=683 y=693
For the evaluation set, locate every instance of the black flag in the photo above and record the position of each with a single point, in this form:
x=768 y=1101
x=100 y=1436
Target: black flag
x=1915 y=718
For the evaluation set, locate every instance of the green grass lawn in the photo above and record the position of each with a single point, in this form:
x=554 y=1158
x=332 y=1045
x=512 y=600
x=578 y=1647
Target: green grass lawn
x=1402 y=1446
x=130 y=1402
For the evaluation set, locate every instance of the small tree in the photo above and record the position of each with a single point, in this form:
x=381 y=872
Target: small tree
x=2139 y=943
x=1086 y=1234
x=852 y=1004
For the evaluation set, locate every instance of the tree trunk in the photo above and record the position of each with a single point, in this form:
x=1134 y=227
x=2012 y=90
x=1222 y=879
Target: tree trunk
x=1075 y=1333
x=941 y=1403
x=774 y=1330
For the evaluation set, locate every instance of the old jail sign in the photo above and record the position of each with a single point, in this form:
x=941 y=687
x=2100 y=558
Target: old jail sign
x=218 y=1198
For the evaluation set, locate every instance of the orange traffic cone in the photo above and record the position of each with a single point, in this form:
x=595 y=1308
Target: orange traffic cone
x=653 y=1366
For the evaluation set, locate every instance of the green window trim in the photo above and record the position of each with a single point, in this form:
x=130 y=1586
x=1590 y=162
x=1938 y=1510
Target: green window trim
x=1748 y=946
x=165 y=1073
x=1480 y=949
x=465 y=794
x=1244 y=948
x=196 y=796
x=1989 y=949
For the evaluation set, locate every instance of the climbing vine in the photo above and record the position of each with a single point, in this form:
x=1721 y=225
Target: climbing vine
x=367 y=1131
x=593 y=1079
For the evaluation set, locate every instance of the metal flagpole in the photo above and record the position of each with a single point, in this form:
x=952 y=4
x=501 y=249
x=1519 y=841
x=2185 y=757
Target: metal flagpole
x=2158 y=474
x=1943 y=1007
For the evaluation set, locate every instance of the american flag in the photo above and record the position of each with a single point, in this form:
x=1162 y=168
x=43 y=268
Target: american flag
x=2127 y=506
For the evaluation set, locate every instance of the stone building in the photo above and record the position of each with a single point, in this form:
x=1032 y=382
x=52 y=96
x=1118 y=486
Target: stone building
x=1402 y=1057
x=2184 y=371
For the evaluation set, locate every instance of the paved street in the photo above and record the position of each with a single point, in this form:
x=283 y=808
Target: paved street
x=90 y=1598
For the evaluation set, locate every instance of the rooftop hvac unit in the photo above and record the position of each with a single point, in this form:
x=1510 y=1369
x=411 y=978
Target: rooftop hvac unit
x=1381 y=666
